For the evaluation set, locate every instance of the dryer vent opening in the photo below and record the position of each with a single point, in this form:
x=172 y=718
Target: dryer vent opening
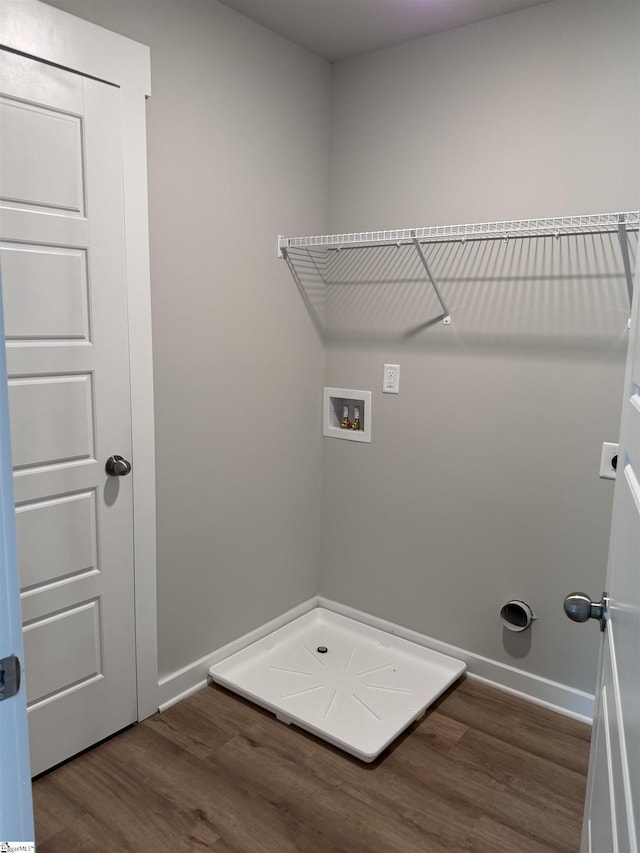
x=516 y=615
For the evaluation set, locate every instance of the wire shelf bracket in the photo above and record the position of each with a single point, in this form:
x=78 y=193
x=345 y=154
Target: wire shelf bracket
x=624 y=251
x=600 y=223
x=446 y=320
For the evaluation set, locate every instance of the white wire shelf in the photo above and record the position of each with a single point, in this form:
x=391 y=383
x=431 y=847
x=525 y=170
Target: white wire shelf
x=557 y=226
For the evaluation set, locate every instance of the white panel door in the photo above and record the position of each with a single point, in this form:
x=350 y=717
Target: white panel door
x=62 y=261
x=612 y=814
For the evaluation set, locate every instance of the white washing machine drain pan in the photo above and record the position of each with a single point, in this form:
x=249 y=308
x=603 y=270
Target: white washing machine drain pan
x=354 y=686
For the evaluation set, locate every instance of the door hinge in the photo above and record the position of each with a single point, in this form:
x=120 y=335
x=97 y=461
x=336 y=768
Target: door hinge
x=9 y=677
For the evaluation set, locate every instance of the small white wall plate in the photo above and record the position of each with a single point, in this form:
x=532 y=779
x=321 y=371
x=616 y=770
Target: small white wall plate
x=609 y=452
x=391 y=379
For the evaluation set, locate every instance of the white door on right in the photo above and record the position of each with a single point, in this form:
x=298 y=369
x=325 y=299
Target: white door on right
x=612 y=813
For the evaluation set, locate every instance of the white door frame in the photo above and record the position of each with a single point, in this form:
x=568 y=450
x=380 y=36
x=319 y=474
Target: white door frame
x=16 y=808
x=48 y=34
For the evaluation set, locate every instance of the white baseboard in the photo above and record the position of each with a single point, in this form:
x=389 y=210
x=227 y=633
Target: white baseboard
x=183 y=682
x=550 y=694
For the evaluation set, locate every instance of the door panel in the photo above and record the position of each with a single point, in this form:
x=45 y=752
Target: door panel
x=62 y=255
x=57 y=539
x=46 y=294
x=51 y=420
x=601 y=834
x=77 y=630
x=51 y=142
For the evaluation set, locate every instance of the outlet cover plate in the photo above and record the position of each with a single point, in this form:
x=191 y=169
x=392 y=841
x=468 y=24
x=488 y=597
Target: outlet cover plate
x=391 y=379
x=609 y=451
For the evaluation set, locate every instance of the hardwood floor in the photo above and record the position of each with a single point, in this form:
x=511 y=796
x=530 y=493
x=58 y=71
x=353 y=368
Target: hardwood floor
x=482 y=772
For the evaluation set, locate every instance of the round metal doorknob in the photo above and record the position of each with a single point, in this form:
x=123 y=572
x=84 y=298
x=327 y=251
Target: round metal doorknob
x=579 y=607
x=117 y=466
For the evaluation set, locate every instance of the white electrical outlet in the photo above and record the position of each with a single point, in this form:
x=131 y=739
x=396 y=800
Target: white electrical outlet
x=609 y=460
x=391 y=379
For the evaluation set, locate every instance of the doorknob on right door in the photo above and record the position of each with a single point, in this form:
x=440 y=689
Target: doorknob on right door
x=579 y=607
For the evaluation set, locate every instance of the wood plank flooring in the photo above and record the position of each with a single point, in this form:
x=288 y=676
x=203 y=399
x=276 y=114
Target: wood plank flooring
x=482 y=772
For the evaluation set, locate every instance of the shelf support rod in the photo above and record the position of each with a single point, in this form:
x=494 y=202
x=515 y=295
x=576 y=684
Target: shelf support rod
x=624 y=249
x=447 y=318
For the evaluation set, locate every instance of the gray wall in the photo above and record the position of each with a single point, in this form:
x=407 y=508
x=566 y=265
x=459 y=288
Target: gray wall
x=481 y=482
x=238 y=139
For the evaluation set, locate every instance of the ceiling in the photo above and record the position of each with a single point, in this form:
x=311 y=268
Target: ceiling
x=337 y=29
